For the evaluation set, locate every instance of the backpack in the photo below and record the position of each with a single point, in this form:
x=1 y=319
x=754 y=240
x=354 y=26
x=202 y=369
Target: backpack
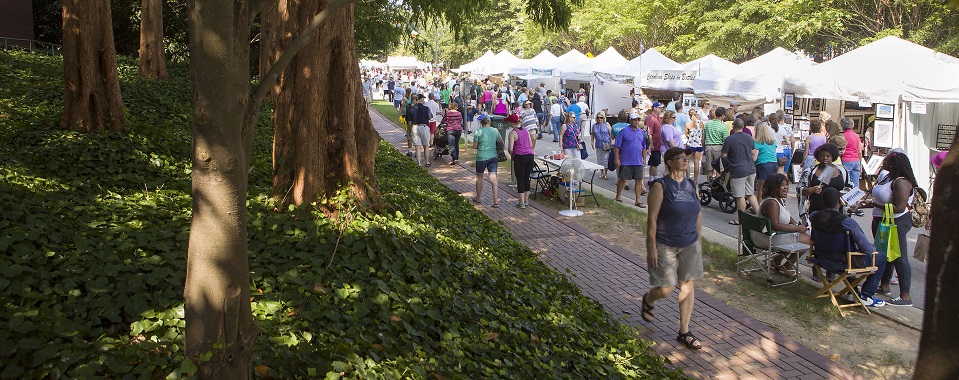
x=919 y=208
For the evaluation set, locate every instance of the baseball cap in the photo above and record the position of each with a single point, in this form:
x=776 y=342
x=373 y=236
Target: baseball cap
x=657 y=104
x=420 y=96
x=634 y=116
x=512 y=119
x=671 y=153
x=733 y=103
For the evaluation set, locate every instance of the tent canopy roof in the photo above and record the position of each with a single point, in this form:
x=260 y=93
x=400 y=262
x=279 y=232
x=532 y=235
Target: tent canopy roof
x=881 y=72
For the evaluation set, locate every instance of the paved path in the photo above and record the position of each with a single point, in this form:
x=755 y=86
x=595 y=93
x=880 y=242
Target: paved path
x=735 y=345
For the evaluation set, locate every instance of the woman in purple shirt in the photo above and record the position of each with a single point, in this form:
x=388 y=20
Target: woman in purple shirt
x=520 y=147
x=816 y=138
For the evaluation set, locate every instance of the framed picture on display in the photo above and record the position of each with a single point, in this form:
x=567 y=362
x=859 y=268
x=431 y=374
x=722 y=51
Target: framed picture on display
x=788 y=101
x=885 y=111
x=788 y=119
x=873 y=165
x=815 y=105
x=882 y=132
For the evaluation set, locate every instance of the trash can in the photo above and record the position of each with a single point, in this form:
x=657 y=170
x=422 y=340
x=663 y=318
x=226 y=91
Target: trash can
x=499 y=122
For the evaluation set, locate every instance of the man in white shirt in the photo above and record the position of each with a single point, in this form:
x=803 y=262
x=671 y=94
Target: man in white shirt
x=556 y=118
x=584 y=115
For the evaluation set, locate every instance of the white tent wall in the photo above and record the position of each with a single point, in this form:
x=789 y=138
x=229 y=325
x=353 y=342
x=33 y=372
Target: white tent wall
x=552 y=83
x=611 y=97
x=918 y=135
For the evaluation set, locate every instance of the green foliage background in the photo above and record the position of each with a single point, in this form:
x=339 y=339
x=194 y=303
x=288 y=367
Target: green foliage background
x=93 y=245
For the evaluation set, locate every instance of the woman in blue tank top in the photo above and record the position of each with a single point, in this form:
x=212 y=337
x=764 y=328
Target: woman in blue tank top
x=674 y=251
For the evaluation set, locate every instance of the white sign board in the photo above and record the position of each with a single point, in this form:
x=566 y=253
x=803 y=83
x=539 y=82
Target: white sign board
x=669 y=78
x=919 y=108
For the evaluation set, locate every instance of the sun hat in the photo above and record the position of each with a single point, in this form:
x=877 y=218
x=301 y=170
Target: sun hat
x=482 y=117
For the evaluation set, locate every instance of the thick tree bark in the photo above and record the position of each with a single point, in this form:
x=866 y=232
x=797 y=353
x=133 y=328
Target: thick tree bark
x=219 y=319
x=938 y=352
x=91 y=96
x=152 y=60
x=324 y=139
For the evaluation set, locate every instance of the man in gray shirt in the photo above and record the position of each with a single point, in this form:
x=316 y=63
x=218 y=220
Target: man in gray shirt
x=739 y=148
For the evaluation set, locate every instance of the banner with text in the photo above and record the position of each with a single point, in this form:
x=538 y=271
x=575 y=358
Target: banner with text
x=669 y=79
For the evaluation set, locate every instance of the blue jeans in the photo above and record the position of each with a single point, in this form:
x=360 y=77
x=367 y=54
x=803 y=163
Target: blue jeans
x=453 y=137
x=900 y=265
x=539 y=125
x=557 y=123
x=854 y=168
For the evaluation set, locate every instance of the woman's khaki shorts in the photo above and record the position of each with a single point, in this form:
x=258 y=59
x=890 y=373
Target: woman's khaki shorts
x=676 y=264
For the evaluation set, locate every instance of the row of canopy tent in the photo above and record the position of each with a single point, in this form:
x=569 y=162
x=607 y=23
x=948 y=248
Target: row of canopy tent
x=882 y=72
x=887 y=71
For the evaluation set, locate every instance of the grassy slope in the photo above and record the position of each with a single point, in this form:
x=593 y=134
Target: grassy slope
x=93 y=235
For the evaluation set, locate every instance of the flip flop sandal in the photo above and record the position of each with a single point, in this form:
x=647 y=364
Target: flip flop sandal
x=734 y=222
x=640 y=204
x=690 y=341
x=619 y=200
x=495 y=205
x=647 y=310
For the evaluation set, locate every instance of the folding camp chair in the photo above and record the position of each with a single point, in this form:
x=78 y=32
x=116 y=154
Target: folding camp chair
x=838 y=244
x=540 y=178
x=752 y=258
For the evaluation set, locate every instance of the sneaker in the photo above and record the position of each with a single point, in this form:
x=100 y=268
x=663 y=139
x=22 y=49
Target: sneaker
x=873 y=302
x=898 y=301
x=886 y=292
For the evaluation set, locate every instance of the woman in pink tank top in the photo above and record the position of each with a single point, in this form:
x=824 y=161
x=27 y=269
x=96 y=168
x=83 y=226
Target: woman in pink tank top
x=520 y=146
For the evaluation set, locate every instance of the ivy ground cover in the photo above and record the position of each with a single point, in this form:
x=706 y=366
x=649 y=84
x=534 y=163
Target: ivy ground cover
x=93 y=245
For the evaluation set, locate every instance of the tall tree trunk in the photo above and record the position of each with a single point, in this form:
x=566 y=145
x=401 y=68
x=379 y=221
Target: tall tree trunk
x=219 y=319
x=938 y=352
x=91 y=96
x=324 y=139
x=152 y=60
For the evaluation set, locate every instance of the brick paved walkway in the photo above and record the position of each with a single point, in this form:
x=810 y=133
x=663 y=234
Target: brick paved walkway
x=735 y=345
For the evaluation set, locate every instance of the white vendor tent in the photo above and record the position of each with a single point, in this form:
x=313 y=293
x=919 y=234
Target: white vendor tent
x=480 y=62
x=709 y=65
x=368 y=64
x=584 y=71
x=572 y=58
x=920 y=85
x=405 y=63
x=542 y=61
x=652 y=59
x=882 y=72
x=758 y=80
x=499 y=65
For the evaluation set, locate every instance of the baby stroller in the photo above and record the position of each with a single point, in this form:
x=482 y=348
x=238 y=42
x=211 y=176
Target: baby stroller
x=718 y=189
x=440 y=143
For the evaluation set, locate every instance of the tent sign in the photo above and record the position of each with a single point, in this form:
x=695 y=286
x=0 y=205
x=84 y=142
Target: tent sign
x=664 y=78
x=919 y=108
x=541 y=72
x=615 y=78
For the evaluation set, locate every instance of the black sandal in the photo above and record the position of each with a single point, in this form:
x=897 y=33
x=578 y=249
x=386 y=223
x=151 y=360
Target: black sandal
x=690 y=341
x=647 y=310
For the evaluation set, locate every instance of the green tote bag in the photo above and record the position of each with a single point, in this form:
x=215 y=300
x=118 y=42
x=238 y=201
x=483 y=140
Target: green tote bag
x=887 y=236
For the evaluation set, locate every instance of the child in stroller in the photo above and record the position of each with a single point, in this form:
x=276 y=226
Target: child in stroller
x=440 y=142
x=718 y=188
